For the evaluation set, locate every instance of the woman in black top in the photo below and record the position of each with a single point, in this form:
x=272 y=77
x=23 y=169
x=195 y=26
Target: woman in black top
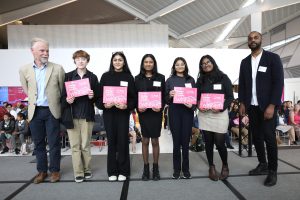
x=180 y=117
x=214 y=123
x=116 y=117
x=150 y=119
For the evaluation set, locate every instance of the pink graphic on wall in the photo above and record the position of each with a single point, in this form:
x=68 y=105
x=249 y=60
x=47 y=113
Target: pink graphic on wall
x=185 y=95
x=16 y=94
x=115 y=94
x=149 y=100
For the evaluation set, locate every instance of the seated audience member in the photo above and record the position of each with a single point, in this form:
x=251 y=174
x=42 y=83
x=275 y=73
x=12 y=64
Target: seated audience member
x=283 y=127
x=7 y=126
x=21 y=130
x=132 y=133
x=235 y=128
x=295 y=119
x=10 y=109
x=18 y=107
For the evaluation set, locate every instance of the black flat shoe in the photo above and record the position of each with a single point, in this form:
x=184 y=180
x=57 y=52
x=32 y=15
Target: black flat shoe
x=261 y=169
x=271 y=179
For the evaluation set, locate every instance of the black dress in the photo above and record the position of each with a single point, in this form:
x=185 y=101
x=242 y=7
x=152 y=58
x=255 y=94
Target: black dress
x=151 y=121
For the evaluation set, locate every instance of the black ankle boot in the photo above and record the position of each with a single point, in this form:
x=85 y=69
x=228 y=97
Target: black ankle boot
x=146 y=173
x=156 y=175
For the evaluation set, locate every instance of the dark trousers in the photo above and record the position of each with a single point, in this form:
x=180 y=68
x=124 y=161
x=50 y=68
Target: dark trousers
x=43 y=125
x=117 y=128
x=263 y=131
x=181 y=122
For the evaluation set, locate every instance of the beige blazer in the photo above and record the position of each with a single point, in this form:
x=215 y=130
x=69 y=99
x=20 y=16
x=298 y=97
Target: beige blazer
x=55 y=76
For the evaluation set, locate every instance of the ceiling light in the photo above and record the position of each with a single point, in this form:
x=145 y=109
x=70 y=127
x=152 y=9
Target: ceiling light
x=282 y=42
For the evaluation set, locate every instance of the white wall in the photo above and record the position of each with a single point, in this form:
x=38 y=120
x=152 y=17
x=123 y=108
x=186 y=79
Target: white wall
x=227 y=59
x=292 y=89
x=91 y=36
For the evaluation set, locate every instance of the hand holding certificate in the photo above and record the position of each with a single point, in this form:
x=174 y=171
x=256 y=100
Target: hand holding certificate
x=210 y=101
x=149 y=100
x=78 y=88
x=114 y=95
x=185 y=95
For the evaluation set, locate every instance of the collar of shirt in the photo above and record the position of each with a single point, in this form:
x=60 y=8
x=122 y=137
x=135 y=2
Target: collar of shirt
x=75 y=75
x=36 y=67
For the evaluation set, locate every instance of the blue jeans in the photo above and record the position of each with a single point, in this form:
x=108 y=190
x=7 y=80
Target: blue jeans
x=43 y=125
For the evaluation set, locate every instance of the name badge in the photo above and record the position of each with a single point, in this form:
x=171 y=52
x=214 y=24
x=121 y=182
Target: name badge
x=156 y=83
x=124 y=83
x=217 y=87
x=262 y=69
x=188 y=85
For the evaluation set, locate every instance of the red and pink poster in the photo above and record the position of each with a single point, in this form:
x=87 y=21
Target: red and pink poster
x=185 y=95
x=211 y=101
x=16 y=94
x=149 y=100
x=78 y=88
x=115 y=94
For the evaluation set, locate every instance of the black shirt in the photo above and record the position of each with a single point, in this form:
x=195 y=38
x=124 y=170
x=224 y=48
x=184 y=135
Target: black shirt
x=208 y=87
x=145 y=84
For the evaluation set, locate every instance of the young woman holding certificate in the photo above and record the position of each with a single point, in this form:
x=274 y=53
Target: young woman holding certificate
x=215 y=93
x=150 y=82
x=116 y=105
x=78 y=113
x=180 y=117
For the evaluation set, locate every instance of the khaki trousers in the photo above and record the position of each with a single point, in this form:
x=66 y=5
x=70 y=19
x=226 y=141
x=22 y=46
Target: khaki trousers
x=80 y=137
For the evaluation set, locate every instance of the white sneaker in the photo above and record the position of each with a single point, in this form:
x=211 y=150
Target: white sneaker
x=121 y=178
x=112 y=178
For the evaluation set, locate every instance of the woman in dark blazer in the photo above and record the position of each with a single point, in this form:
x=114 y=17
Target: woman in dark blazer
x=180 y=118
x=149 y=80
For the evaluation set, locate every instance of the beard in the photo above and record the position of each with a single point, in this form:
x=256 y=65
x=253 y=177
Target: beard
x=254 y=46
x=44 y=60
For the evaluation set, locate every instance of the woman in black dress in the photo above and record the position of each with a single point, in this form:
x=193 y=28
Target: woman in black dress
x=116 y=117
x=150 y=119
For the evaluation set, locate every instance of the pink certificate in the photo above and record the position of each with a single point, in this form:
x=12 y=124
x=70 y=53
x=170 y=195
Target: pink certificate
x=211 y=101
x=78 y=88
x=185 y=95
x=149 y=100
x=115 y=94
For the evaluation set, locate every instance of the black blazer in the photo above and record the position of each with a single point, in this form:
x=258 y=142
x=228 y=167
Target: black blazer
x=269 y=84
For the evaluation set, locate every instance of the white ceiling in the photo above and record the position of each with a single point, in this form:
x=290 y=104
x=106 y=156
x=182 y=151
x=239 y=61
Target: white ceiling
x=196 y=24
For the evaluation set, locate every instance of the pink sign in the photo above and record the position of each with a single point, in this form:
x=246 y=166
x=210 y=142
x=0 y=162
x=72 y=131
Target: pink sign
x=185 y=95
x=78 y=88
x=115 y=94
x=211 y=101
x=149 y=100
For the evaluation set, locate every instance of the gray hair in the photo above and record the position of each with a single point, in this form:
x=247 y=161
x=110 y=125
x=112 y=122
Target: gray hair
x=35 y=40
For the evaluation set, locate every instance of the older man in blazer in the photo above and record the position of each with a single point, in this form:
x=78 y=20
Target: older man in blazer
x=43 y=82
x=260 y=89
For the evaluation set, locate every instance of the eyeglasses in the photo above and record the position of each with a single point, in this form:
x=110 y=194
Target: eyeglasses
x=207 y=63
x=80 y=59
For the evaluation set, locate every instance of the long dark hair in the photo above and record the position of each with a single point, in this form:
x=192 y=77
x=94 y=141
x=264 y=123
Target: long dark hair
x=186 y=70
x=142 y=69
x=125 y=66
x=215 y=75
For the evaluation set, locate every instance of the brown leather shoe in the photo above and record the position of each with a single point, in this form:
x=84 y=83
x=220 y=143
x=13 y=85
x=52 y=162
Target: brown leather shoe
x=55 y=177
x=224 y=172
x=212 y=173
x=40 y=177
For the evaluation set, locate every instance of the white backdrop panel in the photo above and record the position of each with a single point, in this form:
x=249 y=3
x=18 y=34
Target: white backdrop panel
x=227 y=59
